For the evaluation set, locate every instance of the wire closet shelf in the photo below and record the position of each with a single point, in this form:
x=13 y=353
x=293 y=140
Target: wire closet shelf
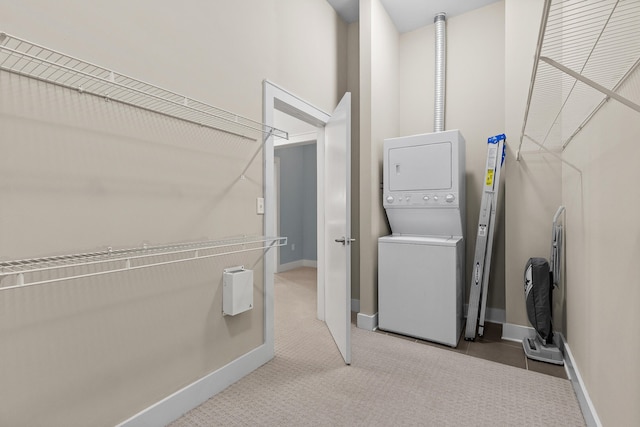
x=586 y=52
x=28 y=59
x=25 y=58
x=37 y=271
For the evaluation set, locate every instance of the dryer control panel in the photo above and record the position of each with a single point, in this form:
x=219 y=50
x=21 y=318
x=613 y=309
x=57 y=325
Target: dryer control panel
x=421 y=199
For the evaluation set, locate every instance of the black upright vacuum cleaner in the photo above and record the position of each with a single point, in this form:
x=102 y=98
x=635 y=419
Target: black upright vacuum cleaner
x=540 y=278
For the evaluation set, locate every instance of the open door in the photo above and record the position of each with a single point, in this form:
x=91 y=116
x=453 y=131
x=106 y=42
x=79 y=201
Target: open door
x=337 y=196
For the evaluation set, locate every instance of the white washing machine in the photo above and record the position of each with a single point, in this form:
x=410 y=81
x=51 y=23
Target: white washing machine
x=421 y=265
x=420 y=291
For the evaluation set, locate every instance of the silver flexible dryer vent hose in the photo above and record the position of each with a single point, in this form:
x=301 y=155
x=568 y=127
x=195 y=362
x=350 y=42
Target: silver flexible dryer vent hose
x=440 y=72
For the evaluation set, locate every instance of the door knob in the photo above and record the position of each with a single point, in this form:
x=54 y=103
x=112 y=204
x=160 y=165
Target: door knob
x=344 y=240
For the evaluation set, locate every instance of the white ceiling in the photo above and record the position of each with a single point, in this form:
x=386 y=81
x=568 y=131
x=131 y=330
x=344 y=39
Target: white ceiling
x=409 y=15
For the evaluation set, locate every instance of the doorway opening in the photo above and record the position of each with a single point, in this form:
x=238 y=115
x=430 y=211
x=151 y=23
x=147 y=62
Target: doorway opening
x=296 y=194
x=332 y=136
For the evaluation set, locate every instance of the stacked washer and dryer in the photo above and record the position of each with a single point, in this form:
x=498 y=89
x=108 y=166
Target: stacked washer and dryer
x=421 y=264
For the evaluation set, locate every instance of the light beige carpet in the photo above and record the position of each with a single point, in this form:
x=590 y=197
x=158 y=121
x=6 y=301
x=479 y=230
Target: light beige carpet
x=391 y=382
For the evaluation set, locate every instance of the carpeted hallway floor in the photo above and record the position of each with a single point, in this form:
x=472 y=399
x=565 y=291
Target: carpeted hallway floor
x=391 y=382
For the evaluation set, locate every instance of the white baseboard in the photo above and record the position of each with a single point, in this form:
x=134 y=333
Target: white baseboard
x=496 y=315
x=518 y=333
x=367 y=321
x=297 y=264
x=290 y=266
x=174 y=406
x=586 y=405
x=355 y=305
x=493 y=315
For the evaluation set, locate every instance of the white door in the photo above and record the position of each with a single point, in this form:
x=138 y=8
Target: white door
x=338 y=240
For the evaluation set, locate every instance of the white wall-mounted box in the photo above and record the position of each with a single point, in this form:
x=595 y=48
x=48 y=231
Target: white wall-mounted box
x=237 y=290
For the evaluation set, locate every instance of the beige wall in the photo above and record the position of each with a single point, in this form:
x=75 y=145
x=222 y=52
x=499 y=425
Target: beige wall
x=379 y=118
x=602 y=253
x=191 y=46
x=80 y=174
x=310 y=46
x=474 y=94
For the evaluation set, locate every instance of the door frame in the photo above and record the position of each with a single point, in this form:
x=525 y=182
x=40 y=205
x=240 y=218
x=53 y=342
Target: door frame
x=277 y=98
x=276 y=207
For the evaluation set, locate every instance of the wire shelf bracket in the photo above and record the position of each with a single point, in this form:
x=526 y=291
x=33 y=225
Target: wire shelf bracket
x=28 y=59
x=586 y=51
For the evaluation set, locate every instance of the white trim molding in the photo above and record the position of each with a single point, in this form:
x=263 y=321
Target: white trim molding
x=493 y=315
x=496 y=315
x=586 y=405
x=174 y=406
x=299 y=139
x=518 y=333
x=367 y=321
x=297 y=264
